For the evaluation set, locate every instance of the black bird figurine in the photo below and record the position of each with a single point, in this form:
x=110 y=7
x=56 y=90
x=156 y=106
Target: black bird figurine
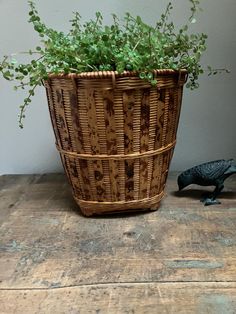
x=212 y=173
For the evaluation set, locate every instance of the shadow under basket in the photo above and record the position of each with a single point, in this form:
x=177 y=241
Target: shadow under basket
x=116 y=135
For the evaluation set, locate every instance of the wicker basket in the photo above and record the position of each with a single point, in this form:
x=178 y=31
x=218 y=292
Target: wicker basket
x=116 y=135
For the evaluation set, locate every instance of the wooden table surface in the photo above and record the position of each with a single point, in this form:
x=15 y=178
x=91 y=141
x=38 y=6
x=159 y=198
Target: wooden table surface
x=179 y=259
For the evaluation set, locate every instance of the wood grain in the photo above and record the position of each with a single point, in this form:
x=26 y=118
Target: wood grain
x=181 y=298
x=180 y=259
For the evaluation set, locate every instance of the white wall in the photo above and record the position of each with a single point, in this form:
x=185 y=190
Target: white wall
x=207 y=125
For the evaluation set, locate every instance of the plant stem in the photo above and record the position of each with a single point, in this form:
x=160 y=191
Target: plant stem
x=22 y=109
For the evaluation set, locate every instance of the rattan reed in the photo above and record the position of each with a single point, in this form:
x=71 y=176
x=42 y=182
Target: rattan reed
x=116 y=135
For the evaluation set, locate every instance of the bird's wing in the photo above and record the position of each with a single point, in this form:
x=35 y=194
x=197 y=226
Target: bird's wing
x=213 y=170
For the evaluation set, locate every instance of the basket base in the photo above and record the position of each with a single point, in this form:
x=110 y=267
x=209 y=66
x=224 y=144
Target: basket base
x=90 y=208
x=87 y=212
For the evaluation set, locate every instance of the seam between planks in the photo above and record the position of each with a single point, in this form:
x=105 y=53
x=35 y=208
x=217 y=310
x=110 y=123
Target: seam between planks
x=221 y=284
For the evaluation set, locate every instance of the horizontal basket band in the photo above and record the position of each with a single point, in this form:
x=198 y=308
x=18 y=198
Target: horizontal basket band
x=117 y=157
x=130 y=204
x=103 y=74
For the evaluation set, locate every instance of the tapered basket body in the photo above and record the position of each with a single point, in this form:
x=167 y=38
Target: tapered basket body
x=116 y=135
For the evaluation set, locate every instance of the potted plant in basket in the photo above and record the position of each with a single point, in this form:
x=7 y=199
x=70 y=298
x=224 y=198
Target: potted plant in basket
x=114 y=95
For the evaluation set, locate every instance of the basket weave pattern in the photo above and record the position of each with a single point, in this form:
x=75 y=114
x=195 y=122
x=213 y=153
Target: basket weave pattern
x=116 y=135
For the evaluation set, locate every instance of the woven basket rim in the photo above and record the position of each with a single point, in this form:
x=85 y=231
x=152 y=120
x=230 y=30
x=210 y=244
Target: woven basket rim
x=107 y=74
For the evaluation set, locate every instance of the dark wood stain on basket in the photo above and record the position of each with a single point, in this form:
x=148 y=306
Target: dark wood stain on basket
x=157 y=160
x=129 y=103
x=95 y=148
x=78 y=135
x=144 y=142
x=79 y=166
x=110 y=123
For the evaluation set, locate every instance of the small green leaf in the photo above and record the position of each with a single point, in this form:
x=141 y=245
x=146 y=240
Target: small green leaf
x=142 y=75
x=138 y=19
x=149 y=76
x=153 y=82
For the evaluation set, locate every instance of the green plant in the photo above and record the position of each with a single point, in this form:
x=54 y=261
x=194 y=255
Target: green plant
x=127 y=44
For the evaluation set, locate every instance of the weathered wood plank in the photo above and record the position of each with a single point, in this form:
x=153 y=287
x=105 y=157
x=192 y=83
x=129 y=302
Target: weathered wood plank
x=181 y=298
x=45 y=242
x=12 y=190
